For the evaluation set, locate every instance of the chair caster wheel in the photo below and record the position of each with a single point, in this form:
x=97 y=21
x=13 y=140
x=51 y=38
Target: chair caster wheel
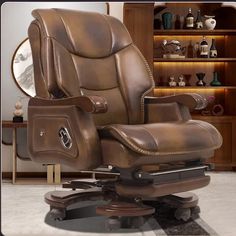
x=113 y=223
x=195 y=212
x=58 y=214
x=137 y=222
x=132 y=222
x=183 y=214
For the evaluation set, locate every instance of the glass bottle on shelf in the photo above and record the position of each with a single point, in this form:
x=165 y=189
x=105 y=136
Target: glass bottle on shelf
x=199 y=22
x=177 y=22
x=189 y=19
x=196 y=50
x=190 y=49
x=213 y=51
x=204 y=48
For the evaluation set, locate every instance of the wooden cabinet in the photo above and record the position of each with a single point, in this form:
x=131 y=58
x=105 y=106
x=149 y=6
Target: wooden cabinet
x=149 y=40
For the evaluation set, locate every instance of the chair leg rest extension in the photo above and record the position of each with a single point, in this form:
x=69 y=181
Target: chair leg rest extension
x=158 y=190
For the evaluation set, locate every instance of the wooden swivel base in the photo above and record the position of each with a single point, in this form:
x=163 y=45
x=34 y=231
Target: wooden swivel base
x=185 y=205
x=124 y=214
x=121 y=212
x=60 y=200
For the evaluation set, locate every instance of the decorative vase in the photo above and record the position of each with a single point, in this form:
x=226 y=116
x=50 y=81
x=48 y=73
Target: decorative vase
x=172 y=82
x=167 y=20
x=215 y=81
x=200 y=81
x=18 y=113
x=210 y=23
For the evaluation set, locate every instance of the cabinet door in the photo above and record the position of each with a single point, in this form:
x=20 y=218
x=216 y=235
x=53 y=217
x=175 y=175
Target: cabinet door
x=224 y=154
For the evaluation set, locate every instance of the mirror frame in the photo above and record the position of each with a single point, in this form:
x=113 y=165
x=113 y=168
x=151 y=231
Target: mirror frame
x=12 y=70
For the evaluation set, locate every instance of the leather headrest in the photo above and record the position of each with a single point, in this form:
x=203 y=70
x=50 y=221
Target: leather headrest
x=86 y=34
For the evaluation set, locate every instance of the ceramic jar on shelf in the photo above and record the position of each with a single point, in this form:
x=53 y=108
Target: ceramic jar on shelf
x=210 y=22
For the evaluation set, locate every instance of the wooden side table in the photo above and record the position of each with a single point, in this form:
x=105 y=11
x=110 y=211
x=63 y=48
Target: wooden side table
x=53 y=170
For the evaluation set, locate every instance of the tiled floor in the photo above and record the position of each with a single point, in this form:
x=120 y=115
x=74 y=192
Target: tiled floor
x=23 y=211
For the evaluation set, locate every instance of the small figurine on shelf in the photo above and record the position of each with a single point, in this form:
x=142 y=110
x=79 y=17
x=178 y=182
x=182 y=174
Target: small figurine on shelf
x=200 y=81
x=172 y=82
x=204 y=48
x=215 y=81
x=213 y=51
x=18 y=113
x=199 y=23
x=181 y=82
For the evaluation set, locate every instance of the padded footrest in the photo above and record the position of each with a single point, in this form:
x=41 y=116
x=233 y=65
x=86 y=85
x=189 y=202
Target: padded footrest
x=158 y=190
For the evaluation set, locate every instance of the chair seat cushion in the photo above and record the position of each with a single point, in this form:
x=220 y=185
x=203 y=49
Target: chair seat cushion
x=165 y=138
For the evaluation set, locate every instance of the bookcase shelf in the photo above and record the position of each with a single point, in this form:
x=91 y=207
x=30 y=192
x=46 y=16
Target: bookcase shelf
x=195 y=32
x=195 y=87
x=139 y=19
x=156 y=59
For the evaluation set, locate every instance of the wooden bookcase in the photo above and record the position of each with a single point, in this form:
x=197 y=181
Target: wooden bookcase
x=139 y=19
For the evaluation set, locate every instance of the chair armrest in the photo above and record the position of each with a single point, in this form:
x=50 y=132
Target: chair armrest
x=90 y=104
x=191 y=100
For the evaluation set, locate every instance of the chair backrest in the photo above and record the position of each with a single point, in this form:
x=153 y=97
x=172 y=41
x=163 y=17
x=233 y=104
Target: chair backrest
x=85 y=53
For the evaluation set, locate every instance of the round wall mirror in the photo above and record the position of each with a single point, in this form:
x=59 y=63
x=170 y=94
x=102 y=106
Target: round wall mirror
x=22 y=68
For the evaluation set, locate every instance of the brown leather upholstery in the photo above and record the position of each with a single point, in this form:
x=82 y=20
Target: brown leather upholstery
x=87 y=63
x=166 y=138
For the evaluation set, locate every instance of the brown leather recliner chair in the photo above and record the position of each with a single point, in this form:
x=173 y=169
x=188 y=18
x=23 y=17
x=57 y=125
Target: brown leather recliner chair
x=92 y=110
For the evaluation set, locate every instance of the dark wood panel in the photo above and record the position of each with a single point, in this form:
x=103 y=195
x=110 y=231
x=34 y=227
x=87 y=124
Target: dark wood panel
x=224 y=154
x=138 y=19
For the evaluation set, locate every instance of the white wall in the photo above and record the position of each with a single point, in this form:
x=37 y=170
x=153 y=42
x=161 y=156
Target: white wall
x=15 y=19
x=116 y=10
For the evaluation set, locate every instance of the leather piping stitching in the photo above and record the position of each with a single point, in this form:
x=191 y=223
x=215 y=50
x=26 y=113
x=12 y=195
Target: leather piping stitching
x=50 y=37
x=99 y=89
x=150 y=77
x=135 y=148
x=121 y=88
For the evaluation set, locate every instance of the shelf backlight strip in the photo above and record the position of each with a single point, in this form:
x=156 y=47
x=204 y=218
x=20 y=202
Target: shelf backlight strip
x=187 y=37
x=200 y=90
x=188 y=63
